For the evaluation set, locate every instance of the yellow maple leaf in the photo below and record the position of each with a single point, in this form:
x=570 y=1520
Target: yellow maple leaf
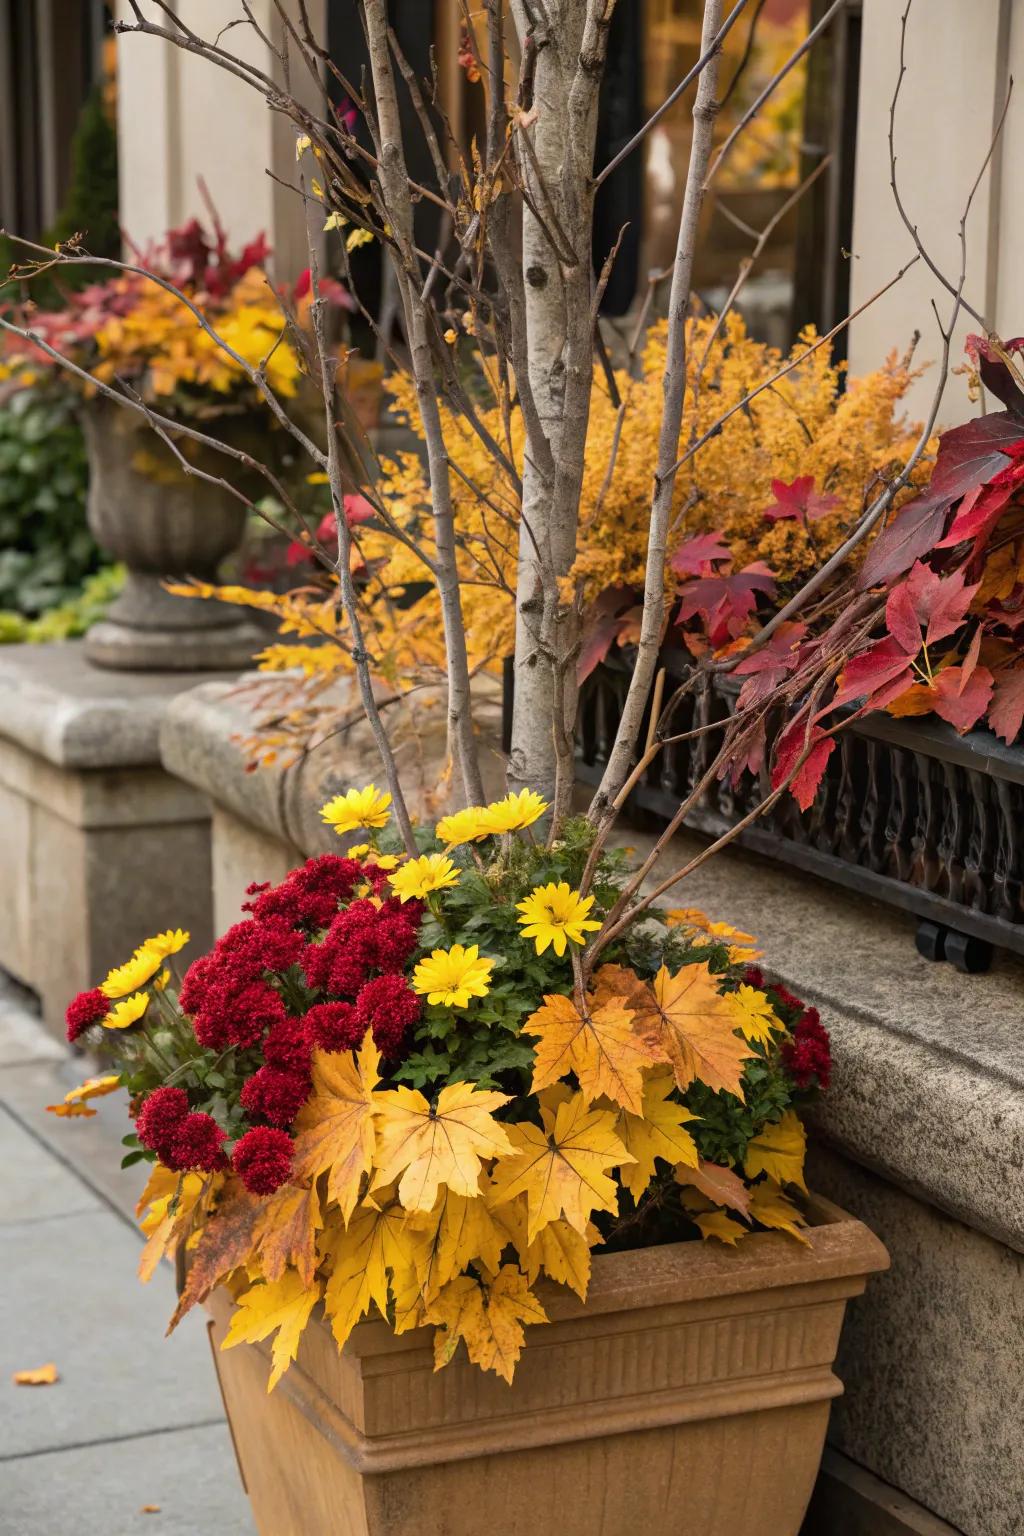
x=778 y=1150
x=428 y=1146
x=659 y=1131
x=698 y=1029
x=717 y=1224
x=76 y=1101
x=285 y=1232
x=39 y=1376
x=171 y=1199
x=604 y=1046
x=377 y=1238
x=457 y=1231
x=489 y=1315
x=562 y=1171
x=334 y=1130
x=281 y=1307
x=755 y=1015
x=558 y=1249
x=772 y=1208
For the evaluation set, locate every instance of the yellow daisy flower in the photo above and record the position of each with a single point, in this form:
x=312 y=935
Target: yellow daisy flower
x=514 y=812
x=133 y=974
x=466 y=826
x=452 y=976
x=169 y=943
x=430 y=872
x=368 y=807
x=554 y=913
x=128 y=1011
x=386 y=860
x=358 y=851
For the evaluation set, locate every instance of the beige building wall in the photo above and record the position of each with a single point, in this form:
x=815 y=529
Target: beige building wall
x=959 y=56
x=182 y=118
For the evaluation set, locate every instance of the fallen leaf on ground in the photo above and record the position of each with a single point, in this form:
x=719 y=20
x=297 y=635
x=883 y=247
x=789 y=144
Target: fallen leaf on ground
x=150 y=1509
x=42 y=1376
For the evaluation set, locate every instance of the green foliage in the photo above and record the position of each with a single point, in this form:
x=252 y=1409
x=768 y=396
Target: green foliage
x=90 y=209
x=68 y=619
x=46 y=549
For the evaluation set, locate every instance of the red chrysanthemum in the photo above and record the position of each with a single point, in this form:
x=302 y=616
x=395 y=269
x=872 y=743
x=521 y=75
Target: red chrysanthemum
x=754 y=977
x=808 y=1056
x=334 y=1027
x=263 y=1159
x=194 y=984
x=85 y=1009
x=253 y=946
x=335 y=968
x=197 y=1145
x=273 y=1095
x=312 y=894
x=159 y=1118
x=392 y=941
x=387 y=1007
x=240 y=1017
x=287 y=1047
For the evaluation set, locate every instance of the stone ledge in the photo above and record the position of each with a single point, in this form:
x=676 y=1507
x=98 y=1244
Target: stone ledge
x=202 y=729
x=849 y=1501
x=55 y=704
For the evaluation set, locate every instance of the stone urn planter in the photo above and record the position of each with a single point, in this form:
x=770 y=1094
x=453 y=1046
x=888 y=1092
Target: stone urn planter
x=689 y=1396
x=146 y=511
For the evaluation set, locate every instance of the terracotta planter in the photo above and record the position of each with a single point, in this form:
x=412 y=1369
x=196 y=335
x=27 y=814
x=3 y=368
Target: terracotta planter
x=163 y=523
x=688 y=1397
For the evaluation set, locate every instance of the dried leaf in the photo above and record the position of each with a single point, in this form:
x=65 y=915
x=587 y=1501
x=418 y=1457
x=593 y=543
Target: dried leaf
x=226 y=1242
x=285 y=1232
x=40 y=1376
x=719 y=1185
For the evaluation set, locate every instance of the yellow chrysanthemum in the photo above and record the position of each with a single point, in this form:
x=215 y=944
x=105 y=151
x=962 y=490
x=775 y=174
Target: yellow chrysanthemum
x=133 y=974
x=358 y=851
x=466 y=826
x=551 y=914
x=514 y=812
x=128 y=1011
x=368 y=807
x=160 y=982
x=168 y=943
x=386 y=860
x=417 y=877
x=452 y=976
x=754 y=1014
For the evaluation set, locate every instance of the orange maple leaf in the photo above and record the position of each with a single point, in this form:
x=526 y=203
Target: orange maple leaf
x=226 y=1242
x=719 y=1184
x=285 y=1232
x=334 y=1128
x=604 y=1045
x=697 y=1029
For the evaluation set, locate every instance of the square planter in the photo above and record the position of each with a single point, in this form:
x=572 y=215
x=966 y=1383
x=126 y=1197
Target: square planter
x=689 y=1396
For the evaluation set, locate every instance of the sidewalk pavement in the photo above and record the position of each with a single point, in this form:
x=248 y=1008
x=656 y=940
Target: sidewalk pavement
x=134 y=1419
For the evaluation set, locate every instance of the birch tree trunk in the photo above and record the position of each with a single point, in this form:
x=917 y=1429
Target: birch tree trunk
x=564 y=46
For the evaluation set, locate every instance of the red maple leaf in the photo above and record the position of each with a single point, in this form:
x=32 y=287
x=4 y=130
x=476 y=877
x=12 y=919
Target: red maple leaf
x=963 y=693
x=725 y=602
x=790 y=746
x=927 y=607
x=697 y=556
x=876 y=675
x=766 y=668
x=603 y=623
x=799 y=500
x=1006 y=712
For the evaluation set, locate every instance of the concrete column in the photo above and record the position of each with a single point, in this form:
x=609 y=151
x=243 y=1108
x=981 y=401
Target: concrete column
x=954 y=88
x=183 y=119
